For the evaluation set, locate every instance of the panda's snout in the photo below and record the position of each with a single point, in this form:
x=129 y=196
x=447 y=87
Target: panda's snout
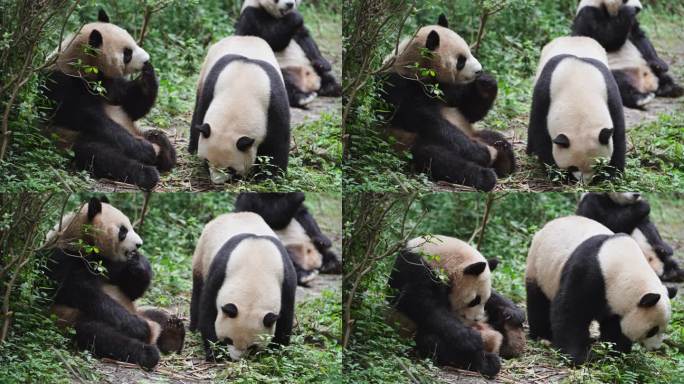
x=289 y=5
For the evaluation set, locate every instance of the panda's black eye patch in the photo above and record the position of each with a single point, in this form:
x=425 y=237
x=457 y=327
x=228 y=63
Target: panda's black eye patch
x=123 y=231
x=461 y=62
x=474 y=302
x=128 y=55
x=652 y=332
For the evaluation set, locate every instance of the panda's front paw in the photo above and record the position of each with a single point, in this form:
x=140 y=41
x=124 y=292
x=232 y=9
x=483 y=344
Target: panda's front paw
x=658 y=66
x=489 y=365
x=486 y=86
x=514 y=316
x=166 y=155
x=149 y=78
x=294 y=18
x=322 y=241
x=321 y=65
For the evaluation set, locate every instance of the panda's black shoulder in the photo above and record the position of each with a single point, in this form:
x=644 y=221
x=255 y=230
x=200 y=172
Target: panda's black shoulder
x=251 y=19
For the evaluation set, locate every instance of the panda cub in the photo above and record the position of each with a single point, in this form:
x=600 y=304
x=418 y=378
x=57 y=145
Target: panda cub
x=578 y=271
x=101 y=124
x=639 y=72
x=451 y=316
x=243 y=285
x=310 y=250
x=437 y=129
x=628 y=212
x=306 y=72
x=568 y=134
x=100 y=306
x=241 y=110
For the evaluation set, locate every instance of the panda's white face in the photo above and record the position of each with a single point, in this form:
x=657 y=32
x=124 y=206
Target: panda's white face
x=624 y=198
x=279 y=8
x=113 y=233
x=647 y=324
x=243 y=328
x=228 y=155
x=469 y=297
x=612 y=6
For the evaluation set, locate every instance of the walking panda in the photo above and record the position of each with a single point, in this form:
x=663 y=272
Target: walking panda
x=100 y=123
x=243 y=285
x=570 y=135
x=443 y=287
x=100 y=306
x=438 y=129
x=306 y=72
x=578 y=271
x=639 y=72
x=628 y=212
x=241 y=110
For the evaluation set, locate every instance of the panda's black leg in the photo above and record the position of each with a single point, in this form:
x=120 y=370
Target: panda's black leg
x=434 y=346
x=570 y=328
x=668 y=88
x=331 y=263
x=443 y=163
x=631 y=97
x=105 y=161
x=538 y=312
x=197 y=285
x=330 y=87
x=297 y=98
x=611 y=331
x=102 y=340
x=166 y=159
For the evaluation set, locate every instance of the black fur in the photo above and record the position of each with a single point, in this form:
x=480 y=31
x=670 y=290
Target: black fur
x=276 y=143
x=103 y=147
x=505 y=163
x=538 y=138
x=419 y=294
x=104 y=326
x=172 y=336
x=442 y=150
x=631 y=96
x=278 y=32
x=203 y=305
x=581 y=298
x=278 y=209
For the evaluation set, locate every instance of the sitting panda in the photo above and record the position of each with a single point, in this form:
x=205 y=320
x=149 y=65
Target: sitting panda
x=243 y=285
x=628 y=212
x=568 y=134
x=241 y=110
x=101 y=124
x=578 y=271
x=639 y=72
x=438 y=129
x=442 y=287
x=305 y=71
x=310 y=250
x=100 y=306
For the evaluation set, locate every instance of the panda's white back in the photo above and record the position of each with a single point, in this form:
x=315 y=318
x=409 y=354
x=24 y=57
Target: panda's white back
x=579 y=46
x=628 y=56
x=552 y=246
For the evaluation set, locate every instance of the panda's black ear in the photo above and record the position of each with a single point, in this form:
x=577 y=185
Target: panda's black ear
x=230 y=310
x=671 y=292
x=244 y=143
x=102 y=16
x=605 y=135
x=270 y=319
x=442 y=21
x=205 y=130
x=95 y=39
x=475 y=268
x=94 y=207
x=432 y=41
x=562 y=140
x=493 y=262
x=104 y=199
x=649 y=300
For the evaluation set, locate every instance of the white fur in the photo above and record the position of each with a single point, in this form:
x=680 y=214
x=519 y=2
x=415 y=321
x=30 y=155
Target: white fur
x=293 y=56
x=579 y=46
x=275 y=8
x=253 y=281
x=453 y=256
x=303 y=250
x=239 y=107
x=574 y=80
x=611 y=5
x=624 y=198
x=648 y=251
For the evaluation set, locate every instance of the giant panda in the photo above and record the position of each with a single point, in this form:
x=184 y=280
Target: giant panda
x=101 y=124
x=438 y=129
x=243 y=285
x=443 y=287
x=628 y=212
x=309 y=248
x=100 y=306
x=241 y=110
x=638 y=70
x=306 y=72
x=578 y=271
x=569 y=134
